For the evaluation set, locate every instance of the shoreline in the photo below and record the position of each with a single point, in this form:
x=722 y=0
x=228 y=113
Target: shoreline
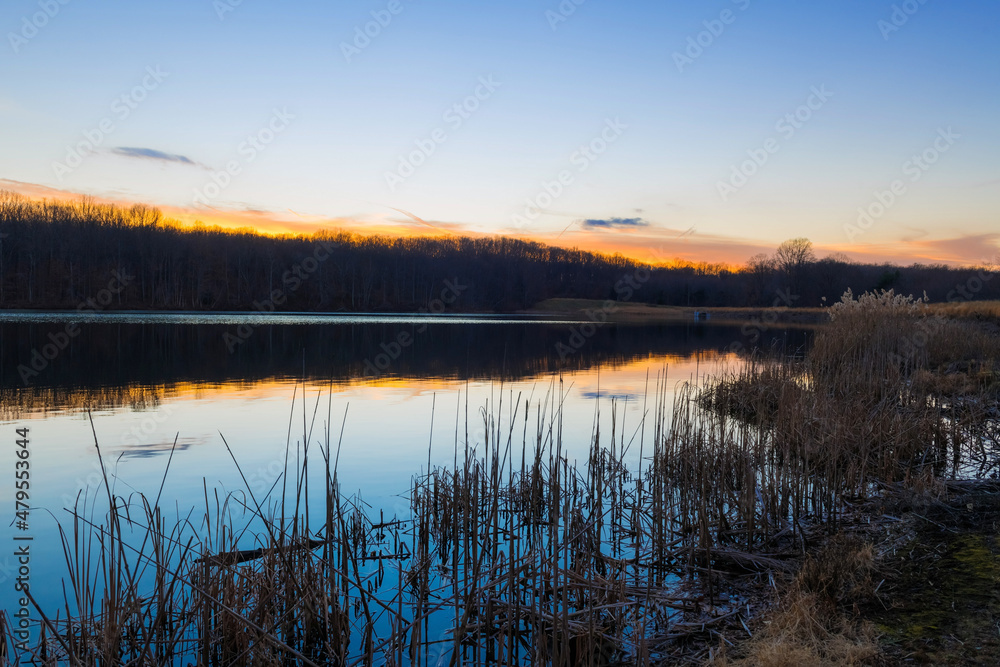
x=571 y=311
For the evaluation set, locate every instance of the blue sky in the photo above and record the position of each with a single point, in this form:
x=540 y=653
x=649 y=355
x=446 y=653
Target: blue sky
x=331 y=128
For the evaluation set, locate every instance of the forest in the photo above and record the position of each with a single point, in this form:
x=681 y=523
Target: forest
x=84 y=255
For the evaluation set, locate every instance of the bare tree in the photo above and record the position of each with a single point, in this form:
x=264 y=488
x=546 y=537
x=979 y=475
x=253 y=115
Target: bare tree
x=792 y=257
x=794 y=254
x=760 y=271
x=57 y=254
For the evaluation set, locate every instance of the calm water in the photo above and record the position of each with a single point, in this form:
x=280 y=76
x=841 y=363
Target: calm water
x=148 y=379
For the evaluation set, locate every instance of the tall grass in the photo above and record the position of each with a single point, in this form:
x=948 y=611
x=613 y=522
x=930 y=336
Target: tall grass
x=976 y=310
x=514 y=554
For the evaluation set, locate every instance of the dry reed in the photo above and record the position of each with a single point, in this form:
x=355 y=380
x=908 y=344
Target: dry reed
x=514 y=554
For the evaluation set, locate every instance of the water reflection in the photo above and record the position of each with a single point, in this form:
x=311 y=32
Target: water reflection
x=136 y=361
x=125 y=390
x=148 y=381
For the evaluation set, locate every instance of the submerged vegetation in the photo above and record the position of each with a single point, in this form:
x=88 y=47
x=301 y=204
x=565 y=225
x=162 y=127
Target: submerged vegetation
x=514 y=554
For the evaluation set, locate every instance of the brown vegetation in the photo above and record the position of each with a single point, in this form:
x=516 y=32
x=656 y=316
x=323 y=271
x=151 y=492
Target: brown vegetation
x=513 y=555
x=808 y=625
x=975 y=310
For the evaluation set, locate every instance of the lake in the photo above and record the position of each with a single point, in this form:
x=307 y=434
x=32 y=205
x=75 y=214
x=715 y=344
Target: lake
x=395 y=392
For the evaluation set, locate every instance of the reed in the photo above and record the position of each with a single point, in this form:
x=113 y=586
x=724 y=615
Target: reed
x=516 y=555
x=975 y=310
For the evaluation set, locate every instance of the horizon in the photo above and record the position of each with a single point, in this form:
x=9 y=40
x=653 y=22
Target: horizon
x=705 y=134
x=657 y=257
x=727 y=270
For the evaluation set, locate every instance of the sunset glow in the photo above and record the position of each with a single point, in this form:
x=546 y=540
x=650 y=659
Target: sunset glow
x=705 y=134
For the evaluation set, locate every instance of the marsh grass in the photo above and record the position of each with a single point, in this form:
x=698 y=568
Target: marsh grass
x=975 y=310
x=515 y=554
x=808 y=626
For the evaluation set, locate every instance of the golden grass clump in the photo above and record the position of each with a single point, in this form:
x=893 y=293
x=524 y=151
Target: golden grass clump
x=811 y=624
x=867 y=348
x=515 y=555
x=975 y=310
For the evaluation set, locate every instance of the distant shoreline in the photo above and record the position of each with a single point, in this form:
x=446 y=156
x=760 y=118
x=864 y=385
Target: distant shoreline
x=279 y=313
x=577 y=312
x=632 y=313
x=567 y=310
x=626 y=312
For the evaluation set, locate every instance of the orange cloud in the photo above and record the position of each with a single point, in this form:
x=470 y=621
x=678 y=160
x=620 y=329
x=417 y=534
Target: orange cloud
x=662 y=245
x=967 y=250
x=645 y=243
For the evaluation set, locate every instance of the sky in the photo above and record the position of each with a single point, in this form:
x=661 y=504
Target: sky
x=706 y=131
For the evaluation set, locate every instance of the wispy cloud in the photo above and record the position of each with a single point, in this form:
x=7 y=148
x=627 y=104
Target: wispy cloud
x=613 y=223
x=968 y=248
x=152 y=154
x=653 y=243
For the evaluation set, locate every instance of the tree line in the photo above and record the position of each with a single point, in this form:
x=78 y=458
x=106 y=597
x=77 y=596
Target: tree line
x=90 y=256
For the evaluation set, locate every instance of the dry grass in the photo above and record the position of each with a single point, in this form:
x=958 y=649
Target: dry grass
x=811 y=624
x=512 y=555
x=623 y=311
x=978 y=310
